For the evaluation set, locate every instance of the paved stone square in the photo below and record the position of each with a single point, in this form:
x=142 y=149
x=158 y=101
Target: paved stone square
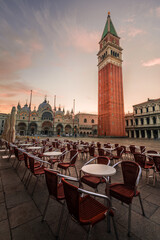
x=20 y=214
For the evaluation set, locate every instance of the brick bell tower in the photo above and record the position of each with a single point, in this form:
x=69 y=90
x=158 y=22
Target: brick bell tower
x=110 y=85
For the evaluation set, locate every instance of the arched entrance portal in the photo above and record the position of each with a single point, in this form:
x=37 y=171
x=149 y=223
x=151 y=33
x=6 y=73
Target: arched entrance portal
x=22 y=127
x=59 y=129
x=33 y=128
x=68 y=129
x=47 y=128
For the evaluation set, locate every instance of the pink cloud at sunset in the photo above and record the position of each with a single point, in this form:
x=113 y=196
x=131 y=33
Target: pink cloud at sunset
x=84 y=40
x=133 y=32
x=158 y=12
x=151 y=63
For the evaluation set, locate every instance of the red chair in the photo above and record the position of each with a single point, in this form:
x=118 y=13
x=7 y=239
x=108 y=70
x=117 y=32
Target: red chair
x=150 y=161
x=56 y=192
x=142 y=161
x=93 y=181
x=66 y=165
x=156 y=160
x=118 y=156
x=86 y=210
x=101 y=152
x=128 y=189
x=37 y=172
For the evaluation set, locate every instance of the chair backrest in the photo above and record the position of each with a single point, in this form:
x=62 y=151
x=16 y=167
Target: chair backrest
x=120 y=151
x=98 y=144
x=124 y=147
x=100 y=152
x=156 y=160
x=16 y=152
x=140 y=159
x=52 y=182
x=31 y=163
x=130 y=172
x=103 y=160
x=142 y=149
x=91 y=151
x=20 y=156
x=25 y=159
x=132 y=148
x=116 y=145
x=72 y=197
x=73 y=156
x=68 y=146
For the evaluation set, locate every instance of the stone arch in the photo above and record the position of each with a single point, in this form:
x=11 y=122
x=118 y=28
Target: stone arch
x=33 y=128
x=68 y=129
x=22 y=128
x=47 y=127
x=59 y=129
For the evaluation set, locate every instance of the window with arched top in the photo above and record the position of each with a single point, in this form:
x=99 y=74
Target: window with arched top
x=154 y=120
x=85 y=120
x=92 y=121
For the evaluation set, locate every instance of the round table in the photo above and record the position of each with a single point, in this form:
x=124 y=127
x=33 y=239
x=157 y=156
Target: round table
x=34 y=148
x=99 y=170
x=52 y=154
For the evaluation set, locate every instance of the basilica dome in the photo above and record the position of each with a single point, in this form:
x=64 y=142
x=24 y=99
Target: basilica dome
x=25 y=108
x=44 y=106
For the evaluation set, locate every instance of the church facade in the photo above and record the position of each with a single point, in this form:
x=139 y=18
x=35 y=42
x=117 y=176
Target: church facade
x=51 y=122
x=110 y=85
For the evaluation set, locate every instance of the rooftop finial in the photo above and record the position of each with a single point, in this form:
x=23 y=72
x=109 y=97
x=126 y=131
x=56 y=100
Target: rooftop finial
x=108 y=13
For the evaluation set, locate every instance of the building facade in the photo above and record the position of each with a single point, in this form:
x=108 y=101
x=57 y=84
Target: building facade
x=110 y=87
x=3 y=117
x=50 y=122
x=144 y=122
x=87 y=124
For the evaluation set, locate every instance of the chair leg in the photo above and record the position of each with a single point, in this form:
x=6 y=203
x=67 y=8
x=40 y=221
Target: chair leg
x=140 y=200
x=45 y=209
x=89 y=232
x=34 y=186
x=76 y=171
x=108 y=223
x=115 y=228
x=129 y=221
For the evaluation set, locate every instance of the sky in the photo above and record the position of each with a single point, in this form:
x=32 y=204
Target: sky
x=51 y=46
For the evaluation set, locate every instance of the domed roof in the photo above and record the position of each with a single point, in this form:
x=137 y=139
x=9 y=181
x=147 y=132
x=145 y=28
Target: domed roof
x=44 y=105
x=25 y=108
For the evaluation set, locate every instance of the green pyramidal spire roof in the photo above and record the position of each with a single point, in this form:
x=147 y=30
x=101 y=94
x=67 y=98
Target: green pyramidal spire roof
x=109 y=27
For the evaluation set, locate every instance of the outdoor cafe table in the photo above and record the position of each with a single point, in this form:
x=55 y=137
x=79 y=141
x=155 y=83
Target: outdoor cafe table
x=52 y=154
x=34 y=148
x=99 y=170
x=25 y=144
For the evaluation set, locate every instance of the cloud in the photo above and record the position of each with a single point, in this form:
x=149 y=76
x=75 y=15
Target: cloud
x=84 y=40
x=133 y=32
x=151 y=63
x=158 y=12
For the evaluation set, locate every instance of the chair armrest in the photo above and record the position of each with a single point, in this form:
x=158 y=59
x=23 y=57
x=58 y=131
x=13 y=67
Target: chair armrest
x=90 y=160
x=68 y=177
x=115 y=165
x=94 y=194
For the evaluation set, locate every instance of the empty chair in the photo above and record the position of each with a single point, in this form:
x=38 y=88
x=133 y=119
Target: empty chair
x=128 y=189
x=142 y=161
x=94 y=181
x=156 y=160
x=86 y=210
x=142 y=149
x=150 y=158
x=38 y=171
x=66 y=165
x=118 y=156
x=56 y=192
x=101 y=152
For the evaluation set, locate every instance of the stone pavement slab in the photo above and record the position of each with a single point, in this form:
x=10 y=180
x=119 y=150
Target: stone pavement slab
x=22 y=213
x=4 y=230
